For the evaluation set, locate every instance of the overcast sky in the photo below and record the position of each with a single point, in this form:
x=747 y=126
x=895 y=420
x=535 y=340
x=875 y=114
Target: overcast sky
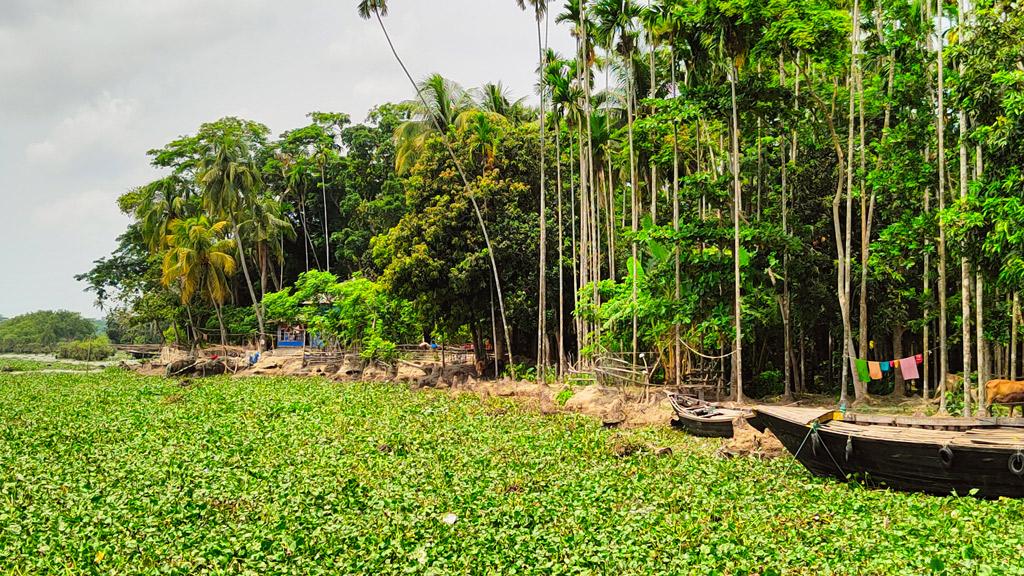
x=87 y=86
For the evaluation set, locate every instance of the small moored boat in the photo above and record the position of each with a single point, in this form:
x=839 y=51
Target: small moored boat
x=705 y=419
x=978 y=456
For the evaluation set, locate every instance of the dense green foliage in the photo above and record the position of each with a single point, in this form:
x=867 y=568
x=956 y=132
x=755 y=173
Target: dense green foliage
x=88 y=349
x=353 y=313
x=42 y=331
x=806 y=180
x=120 y=474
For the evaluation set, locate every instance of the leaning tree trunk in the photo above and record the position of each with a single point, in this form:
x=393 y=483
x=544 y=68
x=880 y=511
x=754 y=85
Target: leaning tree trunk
x=220 y=320
x=859 y=388
x=465 y=183
x=257 y=306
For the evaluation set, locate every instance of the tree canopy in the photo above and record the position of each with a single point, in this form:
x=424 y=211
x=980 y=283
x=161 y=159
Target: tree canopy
x=775 y=190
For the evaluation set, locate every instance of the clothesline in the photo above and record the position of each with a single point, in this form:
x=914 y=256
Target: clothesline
x=875 y=370
x=723 y=356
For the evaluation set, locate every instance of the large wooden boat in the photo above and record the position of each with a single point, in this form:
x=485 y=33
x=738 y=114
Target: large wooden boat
x=700 y=418
x=977 y=456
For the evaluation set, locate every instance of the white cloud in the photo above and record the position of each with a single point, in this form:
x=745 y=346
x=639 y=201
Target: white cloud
x=88 y=87
x=104 y=123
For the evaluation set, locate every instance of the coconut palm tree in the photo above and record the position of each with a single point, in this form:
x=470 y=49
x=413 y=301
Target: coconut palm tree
x=266 y=226
x=440 y=106
x=496 y=98
x=159 y=203
x=198 y=260
x=230 y=182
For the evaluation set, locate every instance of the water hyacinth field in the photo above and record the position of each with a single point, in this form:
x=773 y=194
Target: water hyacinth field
x=113 y=473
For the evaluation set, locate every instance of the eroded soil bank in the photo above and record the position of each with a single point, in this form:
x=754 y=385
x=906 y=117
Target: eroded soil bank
x=621 y=407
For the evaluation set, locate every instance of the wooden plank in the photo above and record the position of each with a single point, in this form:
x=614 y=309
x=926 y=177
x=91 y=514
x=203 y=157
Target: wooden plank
x=795 y=414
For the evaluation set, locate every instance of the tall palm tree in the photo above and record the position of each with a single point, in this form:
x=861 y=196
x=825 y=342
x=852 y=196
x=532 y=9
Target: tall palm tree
x=160 y=203
x=566 y=96
x=440 y=106
x=588 y=250
x=539 y=8
x=728 y=45
x=230 y=181
x=378 y=9
x=940 y=130
x=667 y=26
x=198 y=260
x=616 y=31
x=963 y=10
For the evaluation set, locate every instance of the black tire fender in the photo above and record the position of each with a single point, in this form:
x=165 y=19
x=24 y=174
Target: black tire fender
x=1016 y=463
x=946 y=457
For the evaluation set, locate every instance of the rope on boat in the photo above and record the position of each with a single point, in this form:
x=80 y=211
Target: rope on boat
x=813 y=432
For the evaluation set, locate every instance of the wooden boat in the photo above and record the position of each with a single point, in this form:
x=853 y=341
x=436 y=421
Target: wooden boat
x=977 y=456
x=704 y=419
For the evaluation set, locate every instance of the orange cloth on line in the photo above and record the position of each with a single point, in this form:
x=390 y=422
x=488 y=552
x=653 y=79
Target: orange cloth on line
x=895 y=364
x=875 y=369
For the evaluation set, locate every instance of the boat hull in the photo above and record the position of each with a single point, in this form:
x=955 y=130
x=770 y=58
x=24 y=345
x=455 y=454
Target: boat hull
x=913 y=466
x=705 y=428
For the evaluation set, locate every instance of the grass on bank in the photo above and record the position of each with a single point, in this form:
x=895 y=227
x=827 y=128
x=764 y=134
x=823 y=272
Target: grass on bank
x=119 y=474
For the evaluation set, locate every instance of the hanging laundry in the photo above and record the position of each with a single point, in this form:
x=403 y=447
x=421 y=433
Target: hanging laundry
x=875 y=370
x=895 y=364
x=886 y=366
x=919 y=358
x=909 y=368
x=863 y=373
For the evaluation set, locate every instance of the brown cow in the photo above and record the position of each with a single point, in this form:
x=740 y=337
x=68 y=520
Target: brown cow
x=1007 y=392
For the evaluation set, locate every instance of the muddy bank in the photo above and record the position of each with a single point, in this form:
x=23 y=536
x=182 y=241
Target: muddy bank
x=619 y=407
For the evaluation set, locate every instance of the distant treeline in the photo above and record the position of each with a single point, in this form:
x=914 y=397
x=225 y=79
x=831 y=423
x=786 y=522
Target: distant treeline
x=43 y=331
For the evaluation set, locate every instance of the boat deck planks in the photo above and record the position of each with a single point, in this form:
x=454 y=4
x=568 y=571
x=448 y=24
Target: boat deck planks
x=795 y=413
x=982 y=436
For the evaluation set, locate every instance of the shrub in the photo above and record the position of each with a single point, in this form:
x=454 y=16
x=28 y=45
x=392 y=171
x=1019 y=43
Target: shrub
x=767 y=383
x=98 y=348
x=564 y=395
x=376 y=348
